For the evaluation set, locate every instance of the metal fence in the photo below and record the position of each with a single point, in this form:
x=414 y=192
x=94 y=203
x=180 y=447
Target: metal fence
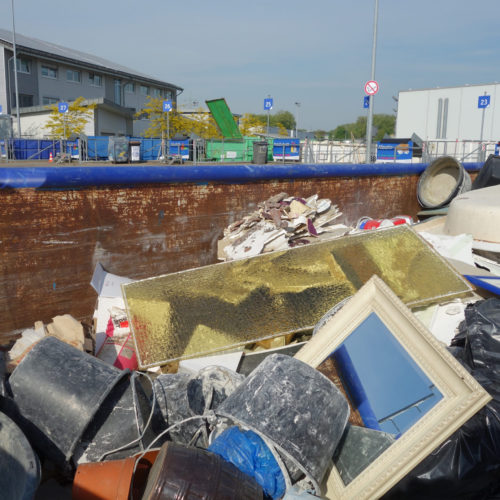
x=464 y=151
x=97 y=148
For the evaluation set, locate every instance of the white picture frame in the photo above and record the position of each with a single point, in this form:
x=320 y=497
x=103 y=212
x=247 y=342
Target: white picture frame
x=462 y=394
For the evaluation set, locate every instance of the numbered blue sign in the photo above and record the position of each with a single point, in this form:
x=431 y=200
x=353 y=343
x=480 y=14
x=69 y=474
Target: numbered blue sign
x=0 y=109
x=268 y=104
x=63 y=107
x=167 y=106
x=366 y=101
x=483 y=101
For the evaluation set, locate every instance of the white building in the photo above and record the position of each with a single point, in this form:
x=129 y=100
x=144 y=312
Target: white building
x=450 y=113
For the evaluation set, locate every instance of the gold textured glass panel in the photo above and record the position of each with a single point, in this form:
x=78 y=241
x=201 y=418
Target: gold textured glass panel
x=221 y=306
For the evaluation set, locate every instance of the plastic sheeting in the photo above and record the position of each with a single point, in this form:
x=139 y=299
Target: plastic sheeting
x=467 y=465
x=247 y=451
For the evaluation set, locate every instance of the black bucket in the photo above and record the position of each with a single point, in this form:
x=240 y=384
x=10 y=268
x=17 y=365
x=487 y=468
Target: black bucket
x=180 y=396
x=118 y=429
x=58 y=390
x=19 y=465
x=443 y=180
x=293 y=407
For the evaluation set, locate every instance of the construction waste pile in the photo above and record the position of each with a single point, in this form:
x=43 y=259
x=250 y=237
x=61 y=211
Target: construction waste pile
x=317 y=361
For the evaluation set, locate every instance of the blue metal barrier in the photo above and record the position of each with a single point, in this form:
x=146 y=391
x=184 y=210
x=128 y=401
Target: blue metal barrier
x=75 y=176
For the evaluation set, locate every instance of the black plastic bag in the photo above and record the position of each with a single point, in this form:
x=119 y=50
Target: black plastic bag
x=467 y=464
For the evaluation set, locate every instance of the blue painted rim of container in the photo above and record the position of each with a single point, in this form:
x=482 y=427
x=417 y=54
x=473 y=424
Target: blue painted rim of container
x=86 y=176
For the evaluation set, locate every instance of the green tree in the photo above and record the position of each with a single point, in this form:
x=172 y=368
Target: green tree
x=285 y=118
x=252 y=124
x=384 y=123
x=200 y=124
x=64 y=125
x=320 y=135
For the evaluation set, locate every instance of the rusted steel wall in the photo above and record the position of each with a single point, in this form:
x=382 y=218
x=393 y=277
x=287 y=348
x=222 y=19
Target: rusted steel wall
x=51 y=240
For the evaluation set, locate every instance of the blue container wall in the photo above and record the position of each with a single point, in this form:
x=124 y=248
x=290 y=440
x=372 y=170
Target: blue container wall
x=97 y=148
x=181 y=148
x=290 y=148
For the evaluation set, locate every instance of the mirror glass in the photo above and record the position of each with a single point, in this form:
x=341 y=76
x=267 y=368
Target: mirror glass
x=387 y=393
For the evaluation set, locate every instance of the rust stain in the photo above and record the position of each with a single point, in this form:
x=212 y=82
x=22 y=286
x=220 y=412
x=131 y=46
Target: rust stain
x=52 y=240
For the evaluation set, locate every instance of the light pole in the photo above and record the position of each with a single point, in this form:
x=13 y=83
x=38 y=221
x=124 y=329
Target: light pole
x=372 y=97
x=297 y=120
x=15 y=70
x=268 y=111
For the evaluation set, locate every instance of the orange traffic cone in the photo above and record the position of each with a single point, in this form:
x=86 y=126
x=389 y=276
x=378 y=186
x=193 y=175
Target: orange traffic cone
x=50 y=157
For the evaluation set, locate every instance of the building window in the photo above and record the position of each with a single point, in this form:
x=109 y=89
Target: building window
x=168 y=94
x=49 y=100
x=144 y=90
x=23 y=65
x=73 y=75
x=49 y=72
x=129 y=88
x=156 y=93
x=26 y=100
x=95 y=80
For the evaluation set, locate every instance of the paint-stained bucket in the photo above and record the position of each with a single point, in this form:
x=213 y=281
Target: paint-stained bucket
x=441 y=181
x=19 y=465
x=58 y=390
x=293 y=407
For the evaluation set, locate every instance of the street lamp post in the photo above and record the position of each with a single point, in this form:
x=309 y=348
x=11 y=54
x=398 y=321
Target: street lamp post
x=15 y=70
x=297 y=120
x=372 y=97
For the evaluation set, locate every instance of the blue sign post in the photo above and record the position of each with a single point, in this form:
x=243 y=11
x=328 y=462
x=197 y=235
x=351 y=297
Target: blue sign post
x=63 y=107
x=268 y=104
x=366 y=101
x=483 y=101
x=167 y=107
x=0 y=109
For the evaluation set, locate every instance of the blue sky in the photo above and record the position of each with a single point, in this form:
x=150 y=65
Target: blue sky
x=317 y=53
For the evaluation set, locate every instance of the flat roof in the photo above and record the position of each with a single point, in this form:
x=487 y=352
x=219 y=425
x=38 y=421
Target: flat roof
x=41 y=48
x=451 y=87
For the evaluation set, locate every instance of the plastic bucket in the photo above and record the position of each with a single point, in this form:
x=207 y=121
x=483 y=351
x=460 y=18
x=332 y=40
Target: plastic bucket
x=19 y=466
x=180 y=396
x=186 y=473
x=441 y=181
x=120 y=420
x=58 y=390
x=295 y=408
x=113 y=479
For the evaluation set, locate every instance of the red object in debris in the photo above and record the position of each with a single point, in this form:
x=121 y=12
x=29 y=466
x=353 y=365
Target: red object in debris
x=112 y=479
x=376 y=223
x=126 y=357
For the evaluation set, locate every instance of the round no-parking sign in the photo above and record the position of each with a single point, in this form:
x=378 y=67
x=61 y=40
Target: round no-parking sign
x=371 y=87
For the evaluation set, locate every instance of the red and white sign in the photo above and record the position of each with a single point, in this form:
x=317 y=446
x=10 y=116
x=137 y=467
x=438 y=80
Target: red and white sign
x=371 y=87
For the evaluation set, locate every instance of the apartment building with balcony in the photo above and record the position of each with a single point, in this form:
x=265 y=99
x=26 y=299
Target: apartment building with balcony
x=49 y=73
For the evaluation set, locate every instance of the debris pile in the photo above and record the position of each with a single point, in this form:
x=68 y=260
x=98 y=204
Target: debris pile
x=166 y=400
x=281 y=222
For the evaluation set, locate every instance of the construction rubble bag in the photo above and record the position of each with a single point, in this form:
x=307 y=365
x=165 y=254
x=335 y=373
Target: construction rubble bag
x=467 y=464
